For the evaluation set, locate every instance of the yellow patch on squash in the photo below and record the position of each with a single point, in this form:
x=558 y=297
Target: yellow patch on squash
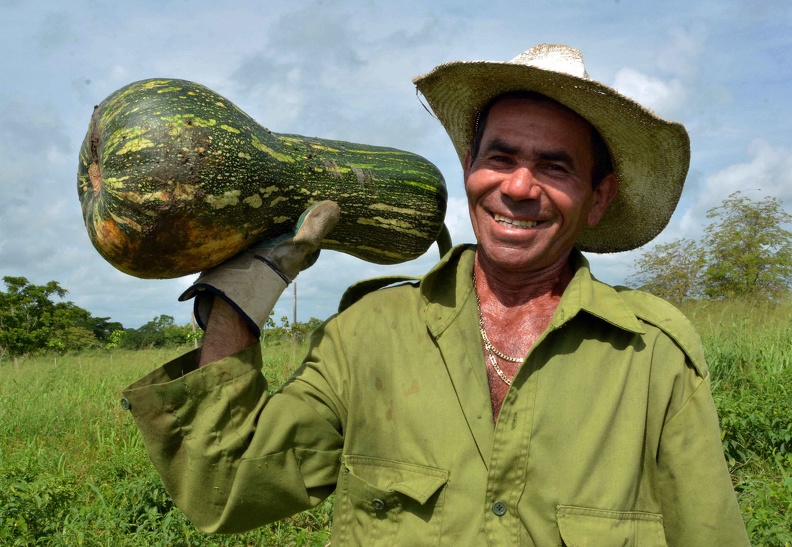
x=189 y=119
x=323 y=147
x=229 y=198
x=277 y=155
x=268 y=191
x=254 y=201
x=135 y=145
x=379 y=251
x=399 y=210
x=152 y=83
x=393 y=225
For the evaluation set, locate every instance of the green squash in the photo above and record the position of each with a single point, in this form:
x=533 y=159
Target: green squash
x=174 y=179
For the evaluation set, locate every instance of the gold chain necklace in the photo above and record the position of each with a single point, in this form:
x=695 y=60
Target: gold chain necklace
x=492 y=351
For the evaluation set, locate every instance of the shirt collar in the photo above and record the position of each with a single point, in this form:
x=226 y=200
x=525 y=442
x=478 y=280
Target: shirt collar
x=448 y=286
x=586 y=293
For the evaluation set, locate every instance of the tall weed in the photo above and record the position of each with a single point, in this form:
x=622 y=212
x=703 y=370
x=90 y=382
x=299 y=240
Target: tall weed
x=749 y=352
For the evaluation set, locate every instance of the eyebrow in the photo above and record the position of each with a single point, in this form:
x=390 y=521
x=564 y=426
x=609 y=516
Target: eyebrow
x=556 y=155
x=500 y=145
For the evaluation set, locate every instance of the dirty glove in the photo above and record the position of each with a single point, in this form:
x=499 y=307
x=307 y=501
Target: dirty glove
x=252 y=281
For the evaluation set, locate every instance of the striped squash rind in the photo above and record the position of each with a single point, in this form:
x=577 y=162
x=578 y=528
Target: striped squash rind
x=175 y=179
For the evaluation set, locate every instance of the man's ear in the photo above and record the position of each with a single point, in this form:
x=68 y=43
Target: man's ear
x=604 y=194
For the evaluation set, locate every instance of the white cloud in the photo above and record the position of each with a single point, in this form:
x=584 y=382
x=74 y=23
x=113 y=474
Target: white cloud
x=768 y=172
x=663 y=96
x=458 y=221
x=682 y=53
x=119 y=76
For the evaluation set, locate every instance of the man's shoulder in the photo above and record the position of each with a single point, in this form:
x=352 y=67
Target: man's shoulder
x=382 y=287
x=651 y=308
x=655 y=311
x=438 y=279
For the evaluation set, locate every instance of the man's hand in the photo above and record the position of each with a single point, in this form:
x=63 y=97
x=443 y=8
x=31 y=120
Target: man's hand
x=250 y=283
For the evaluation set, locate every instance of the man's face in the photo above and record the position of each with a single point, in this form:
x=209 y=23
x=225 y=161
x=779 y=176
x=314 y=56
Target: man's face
x=529 y=189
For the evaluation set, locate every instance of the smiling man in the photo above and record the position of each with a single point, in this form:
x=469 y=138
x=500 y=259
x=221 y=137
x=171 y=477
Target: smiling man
x=507 y=397
x=530 y=185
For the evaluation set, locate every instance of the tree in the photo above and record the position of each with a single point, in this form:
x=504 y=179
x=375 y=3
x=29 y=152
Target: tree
x=746 y=251
x=749 y=252
x=26 y=315
x=30 y=321
x=671 y=270
x=74 y=328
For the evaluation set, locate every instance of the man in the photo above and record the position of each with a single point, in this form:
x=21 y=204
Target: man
x=505 y=398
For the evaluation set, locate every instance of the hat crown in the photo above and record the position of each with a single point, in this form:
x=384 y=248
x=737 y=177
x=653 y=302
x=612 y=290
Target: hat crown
x=555 y=58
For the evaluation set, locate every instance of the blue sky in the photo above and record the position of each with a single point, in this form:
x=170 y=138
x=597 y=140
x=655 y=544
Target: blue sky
x=342 y=70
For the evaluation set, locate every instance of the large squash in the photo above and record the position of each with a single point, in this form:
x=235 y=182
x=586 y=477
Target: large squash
x=174 y=179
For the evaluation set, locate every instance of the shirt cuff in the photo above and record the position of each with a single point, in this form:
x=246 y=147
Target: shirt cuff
x=174 y=383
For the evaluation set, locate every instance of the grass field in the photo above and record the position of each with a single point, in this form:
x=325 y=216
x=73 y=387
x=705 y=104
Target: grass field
x=73 y=470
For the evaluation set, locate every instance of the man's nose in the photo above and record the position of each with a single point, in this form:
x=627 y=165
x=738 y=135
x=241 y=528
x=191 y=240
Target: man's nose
x=521 y=185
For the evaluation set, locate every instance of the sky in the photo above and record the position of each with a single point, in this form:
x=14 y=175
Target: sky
x=343 y=70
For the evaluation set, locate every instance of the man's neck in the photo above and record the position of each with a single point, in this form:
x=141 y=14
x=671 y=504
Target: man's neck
x=514 y=288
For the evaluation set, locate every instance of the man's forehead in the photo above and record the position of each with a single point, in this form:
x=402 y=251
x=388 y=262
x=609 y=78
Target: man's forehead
x=535 y=99
x=510 y=121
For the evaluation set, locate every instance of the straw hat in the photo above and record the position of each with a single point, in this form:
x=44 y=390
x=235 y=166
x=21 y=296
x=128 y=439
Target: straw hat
x=650 y=155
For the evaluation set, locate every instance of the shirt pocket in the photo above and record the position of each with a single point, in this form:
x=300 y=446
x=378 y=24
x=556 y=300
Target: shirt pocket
x=386 y=502
x=587 y=527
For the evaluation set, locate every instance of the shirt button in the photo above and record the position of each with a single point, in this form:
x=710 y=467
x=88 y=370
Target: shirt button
x=499 y=508
x=377 y=504
x=125 y=403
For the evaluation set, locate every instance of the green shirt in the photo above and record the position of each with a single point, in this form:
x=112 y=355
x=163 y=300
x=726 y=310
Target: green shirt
x=607 y=436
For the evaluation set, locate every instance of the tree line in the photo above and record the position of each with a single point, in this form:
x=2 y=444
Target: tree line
x=745 y=252
x=31 y=321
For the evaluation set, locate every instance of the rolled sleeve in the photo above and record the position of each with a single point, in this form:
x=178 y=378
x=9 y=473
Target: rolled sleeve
x=227 y=452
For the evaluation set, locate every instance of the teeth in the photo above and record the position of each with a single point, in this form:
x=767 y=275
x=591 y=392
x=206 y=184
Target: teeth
x=516 y=223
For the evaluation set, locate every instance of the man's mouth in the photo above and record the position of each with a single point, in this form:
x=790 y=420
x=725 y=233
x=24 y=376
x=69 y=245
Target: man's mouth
x=514 y=223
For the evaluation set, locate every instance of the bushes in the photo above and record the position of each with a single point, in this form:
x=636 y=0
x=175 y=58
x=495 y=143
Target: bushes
x=160 y=332
x=33 y=509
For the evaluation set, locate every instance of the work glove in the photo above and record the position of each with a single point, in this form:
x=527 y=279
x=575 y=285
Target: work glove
x=252 y=281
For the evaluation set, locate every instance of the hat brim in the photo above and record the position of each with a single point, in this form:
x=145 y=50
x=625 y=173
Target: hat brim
x=650 y=155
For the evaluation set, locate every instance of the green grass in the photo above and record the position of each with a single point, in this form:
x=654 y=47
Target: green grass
x=749 y=352
x=73 y=470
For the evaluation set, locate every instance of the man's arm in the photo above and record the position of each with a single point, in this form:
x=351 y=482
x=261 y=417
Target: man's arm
x=231 y=456
x=696 y=493
x=226 y=334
